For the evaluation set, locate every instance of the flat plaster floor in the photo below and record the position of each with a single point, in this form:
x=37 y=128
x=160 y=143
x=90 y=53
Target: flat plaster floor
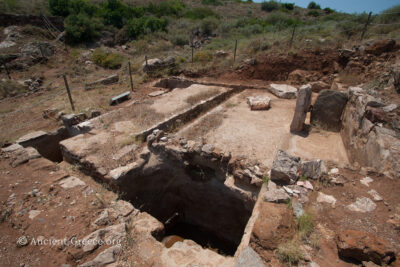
x=259 y=134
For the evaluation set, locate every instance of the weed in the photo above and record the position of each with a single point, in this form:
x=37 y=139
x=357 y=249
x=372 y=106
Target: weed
x=305 y=225
x=290 y=252
x=106 y=59
x=266 y=179
x=303 y=178
x=202 y=56
x=288 y=202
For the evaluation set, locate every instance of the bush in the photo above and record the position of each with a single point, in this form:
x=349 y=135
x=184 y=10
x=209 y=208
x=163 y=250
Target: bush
x=249 y=30
x=65 y=8
x=313 y=5
x=208 y=25
x=288 y=6
x=81 y=28
x=281 y=19
x=139 y=26
x=211 y=2
x=179 y=39
x=390 y=15
x=107 y=60
x=269 y=6
x=202 y=56
x=173 y=8
x=313 y=13
x=329 y=10
x=200 y=13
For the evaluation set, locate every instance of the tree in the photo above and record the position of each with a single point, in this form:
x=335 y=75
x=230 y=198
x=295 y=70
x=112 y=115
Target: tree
x=313 y=5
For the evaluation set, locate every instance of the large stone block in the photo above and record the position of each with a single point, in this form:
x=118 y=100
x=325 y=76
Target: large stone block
x=328 y=109
x=302 y=106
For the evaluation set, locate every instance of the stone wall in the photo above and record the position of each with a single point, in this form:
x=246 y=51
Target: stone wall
x=369 y=144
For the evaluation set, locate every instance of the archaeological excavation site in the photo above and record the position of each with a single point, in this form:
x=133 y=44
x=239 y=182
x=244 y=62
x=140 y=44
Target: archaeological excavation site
x=129 y=147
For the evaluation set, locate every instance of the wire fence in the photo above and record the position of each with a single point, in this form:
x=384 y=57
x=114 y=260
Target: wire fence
x=297 y=33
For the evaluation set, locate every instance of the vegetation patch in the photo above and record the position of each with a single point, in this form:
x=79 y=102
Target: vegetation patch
x=9 y=88
x=290 y=252
x=106 y=59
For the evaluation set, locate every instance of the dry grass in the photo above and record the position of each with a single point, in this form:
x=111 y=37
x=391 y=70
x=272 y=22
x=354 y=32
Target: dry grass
x=290 y=252
x=212 y=121
x=11 y=88
x=196 y=98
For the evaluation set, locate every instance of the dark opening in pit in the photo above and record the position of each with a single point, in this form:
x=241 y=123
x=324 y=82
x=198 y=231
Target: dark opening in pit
x=192 y=204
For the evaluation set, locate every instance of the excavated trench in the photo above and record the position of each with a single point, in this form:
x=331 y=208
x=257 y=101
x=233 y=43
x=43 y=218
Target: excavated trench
x=192 y=202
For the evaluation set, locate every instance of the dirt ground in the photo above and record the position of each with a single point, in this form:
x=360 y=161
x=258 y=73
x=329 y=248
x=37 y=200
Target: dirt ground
x=233 y=127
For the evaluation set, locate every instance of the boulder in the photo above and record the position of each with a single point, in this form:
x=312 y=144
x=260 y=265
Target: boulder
x=317 y=87
x=248 y=257
x=73 y=119
x=328 y=109
x=363 y=204
x=283 y=91
x=302 y=106
x=274 y=225
x=152 y=64
x=375 y=115
x=35 y=49
x=259 y=102
x=360 y=246
x=104 y=258
x=323 y=198
x=313 y=169
x=221 y=53
x=285 y=168
x=273 y=194
x=380 y=47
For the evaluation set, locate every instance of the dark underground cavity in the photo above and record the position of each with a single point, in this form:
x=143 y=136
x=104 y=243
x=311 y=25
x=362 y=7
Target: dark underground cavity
x=48 y=145
x=193 y=203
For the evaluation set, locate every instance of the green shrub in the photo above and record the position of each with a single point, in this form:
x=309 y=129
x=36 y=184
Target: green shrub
x=269 y=6
x=200 y=13
x=249 y=30
x=202 y=56
x=390 y=15
x=173 y=8
x=106 y=59
x=281 y=19
x=143 y=25
x=329 y=10
x=179 y=39
x=211 y=2
x=313 y=5
x=208 y=25
x=59 y=7
x=313 y=13
x=288 y=6
x=81 y=28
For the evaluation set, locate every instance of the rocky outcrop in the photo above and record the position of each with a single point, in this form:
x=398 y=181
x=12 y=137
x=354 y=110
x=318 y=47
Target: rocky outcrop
x=156 y=64
x=285 y=168
x=360 y=246
x=369 y=144
x=302 y=107
x=380 y=47
x=328 y=109
x=273 y=226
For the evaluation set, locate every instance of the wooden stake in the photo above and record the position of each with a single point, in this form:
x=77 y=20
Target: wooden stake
x=145 y=57
x=291 y=40
x=366 y=26
x=234 y=53
x=5 y=67
x=69 y=93
x=130 y=74
x=192 y=52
